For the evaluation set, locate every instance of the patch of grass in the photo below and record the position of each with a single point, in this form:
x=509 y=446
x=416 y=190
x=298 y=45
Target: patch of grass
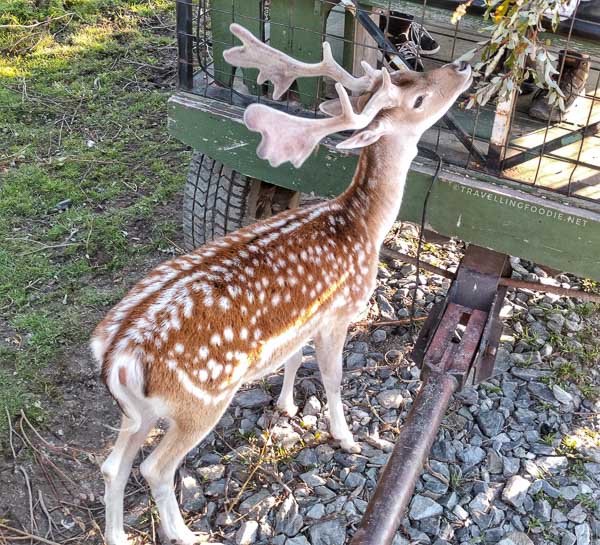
x=87 y=169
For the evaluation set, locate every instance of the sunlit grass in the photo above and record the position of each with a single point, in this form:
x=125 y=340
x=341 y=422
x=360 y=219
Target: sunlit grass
x=81 y=126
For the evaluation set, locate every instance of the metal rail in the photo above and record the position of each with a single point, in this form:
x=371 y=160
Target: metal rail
x=387 y=506
x=457 y=338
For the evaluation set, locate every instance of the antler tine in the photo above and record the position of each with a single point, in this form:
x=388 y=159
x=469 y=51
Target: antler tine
x=289 y=138
x=283 y=70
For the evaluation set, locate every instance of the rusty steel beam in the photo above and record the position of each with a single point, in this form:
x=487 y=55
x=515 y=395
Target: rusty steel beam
x=508 y=282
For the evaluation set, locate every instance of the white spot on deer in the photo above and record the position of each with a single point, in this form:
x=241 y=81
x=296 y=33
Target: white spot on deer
x=171 y=364
x=216 y=372
x=228 y=334
x=215 y=339
x=179 y=348
x=244 y=333
x=257 y=334
x=203 y=352
x=233 y=290
x=224 y=303
x=203 y=375
x=275 y=300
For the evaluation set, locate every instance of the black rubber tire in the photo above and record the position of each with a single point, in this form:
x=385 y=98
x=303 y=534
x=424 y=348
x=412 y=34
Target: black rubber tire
x=215 y=201
x=218 y=200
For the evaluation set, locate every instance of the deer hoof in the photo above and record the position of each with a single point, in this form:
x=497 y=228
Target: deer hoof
x=350 y=445
x=288 y=408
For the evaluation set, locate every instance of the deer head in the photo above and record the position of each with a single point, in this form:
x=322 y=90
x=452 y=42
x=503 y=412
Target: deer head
x=396 y=105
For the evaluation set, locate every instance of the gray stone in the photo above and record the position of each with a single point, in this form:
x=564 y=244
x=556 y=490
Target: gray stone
x=569 y=492
x=553 y=464
x=390 y=399
x=460 y=512
x=515 y=491
x=543 y=510
x=386 y=310
x=490 y=422
x=561 y=395
x=583 y=534
x=542 y=392
x=577 y=514
x=307 y=458
x=516 y=538
x=312 y=407
x=312 y=479
x=472 y=456
x=287 y=519
x=378 y=336
x=355 y=360
x=258 y=504
x=211 y=473
x=529 y=373
x=494 y=462
x=252 y=399
x=317 y=511
x=423 y=507
x=558 y=516
x=329 y=532
x=511 y=466
x=246 y=535
x=556 y=322
x=354 y=480
x=192 y=497
x=298 y=540
x=493 y=535
x=443 y=451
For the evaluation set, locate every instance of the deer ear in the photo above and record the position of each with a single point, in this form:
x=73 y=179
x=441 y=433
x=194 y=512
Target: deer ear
x=366 y=137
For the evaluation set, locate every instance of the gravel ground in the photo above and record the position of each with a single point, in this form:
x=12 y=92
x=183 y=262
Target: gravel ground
x=516 y=461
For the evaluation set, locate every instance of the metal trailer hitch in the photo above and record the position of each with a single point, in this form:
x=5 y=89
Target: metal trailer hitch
x=457 y=346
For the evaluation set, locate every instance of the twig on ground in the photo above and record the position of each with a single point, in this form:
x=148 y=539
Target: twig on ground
x=48 y=21
x=27 y=535
x=404 y=321
x=32 y=520
x=10 y=434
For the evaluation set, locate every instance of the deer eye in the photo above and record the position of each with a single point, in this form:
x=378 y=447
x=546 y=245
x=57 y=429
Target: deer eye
x=419 y=102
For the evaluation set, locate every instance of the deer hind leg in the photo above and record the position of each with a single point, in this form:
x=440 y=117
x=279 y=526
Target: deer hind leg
x=285 y=401
x=116 y=469
x=329 y=346
x=186 y=430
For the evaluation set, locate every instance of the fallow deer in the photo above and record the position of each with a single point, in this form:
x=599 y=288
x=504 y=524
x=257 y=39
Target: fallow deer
x=187 y=336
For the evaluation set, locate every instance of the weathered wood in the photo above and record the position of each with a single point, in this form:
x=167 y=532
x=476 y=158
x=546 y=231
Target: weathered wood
x=513 y=218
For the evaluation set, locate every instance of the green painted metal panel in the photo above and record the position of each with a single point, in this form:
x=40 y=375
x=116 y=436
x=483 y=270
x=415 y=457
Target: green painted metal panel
x=247 y=13
x=507 y=217
x=297 y=27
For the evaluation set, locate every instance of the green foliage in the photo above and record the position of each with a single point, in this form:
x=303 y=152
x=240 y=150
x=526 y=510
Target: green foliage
x=515 y=50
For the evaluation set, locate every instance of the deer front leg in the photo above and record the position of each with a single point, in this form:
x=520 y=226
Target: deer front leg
x=329 y=346
x=286 y=398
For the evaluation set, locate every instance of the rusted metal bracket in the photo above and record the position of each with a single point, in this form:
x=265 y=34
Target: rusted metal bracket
x=457 y=345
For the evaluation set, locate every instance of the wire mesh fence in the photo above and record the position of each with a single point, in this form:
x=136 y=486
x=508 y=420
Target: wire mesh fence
x=523 y=139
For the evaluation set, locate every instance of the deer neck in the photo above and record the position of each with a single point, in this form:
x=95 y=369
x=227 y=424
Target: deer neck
x=376 y=192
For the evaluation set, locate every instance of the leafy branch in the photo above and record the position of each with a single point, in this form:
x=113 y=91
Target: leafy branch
x=515 y=50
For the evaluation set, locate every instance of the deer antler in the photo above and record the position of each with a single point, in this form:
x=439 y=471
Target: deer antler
x=289 y=138
x=283 y=70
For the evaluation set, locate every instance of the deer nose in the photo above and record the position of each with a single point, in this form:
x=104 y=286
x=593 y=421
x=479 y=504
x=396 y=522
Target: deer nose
x=461 y=66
